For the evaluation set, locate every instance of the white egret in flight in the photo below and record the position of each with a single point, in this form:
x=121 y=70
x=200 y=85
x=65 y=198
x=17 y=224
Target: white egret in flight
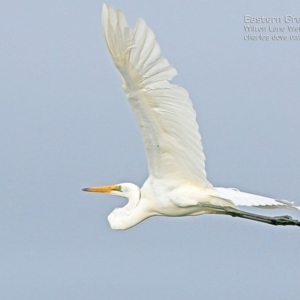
x=177 y=183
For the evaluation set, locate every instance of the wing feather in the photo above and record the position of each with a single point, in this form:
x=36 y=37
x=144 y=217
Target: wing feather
x=245 y=199
x=164 y=111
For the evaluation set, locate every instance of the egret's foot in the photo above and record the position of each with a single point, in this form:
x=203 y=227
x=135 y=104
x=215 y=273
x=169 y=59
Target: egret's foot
x=285 y=220
x=277 y=221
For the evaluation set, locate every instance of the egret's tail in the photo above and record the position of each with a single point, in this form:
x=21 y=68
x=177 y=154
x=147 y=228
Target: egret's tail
x=245 y=199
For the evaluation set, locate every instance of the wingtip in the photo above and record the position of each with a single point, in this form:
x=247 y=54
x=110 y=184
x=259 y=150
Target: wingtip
x=104 y=9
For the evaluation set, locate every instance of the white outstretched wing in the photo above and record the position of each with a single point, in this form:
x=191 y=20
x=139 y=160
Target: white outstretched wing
x=164 y=111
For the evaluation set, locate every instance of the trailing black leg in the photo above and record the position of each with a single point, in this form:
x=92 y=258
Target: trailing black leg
x=227 y=210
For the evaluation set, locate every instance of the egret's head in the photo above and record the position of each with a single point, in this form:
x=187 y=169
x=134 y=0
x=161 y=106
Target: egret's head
x=122 y=218
x=122 y=189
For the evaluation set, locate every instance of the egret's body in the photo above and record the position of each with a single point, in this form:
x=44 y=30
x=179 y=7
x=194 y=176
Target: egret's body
x=177 y=183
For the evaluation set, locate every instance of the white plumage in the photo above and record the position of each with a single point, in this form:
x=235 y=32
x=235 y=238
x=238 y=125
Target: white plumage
x=177 y=183
x=164 y=111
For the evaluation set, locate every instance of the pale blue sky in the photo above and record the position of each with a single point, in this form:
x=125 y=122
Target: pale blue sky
x=65 y=124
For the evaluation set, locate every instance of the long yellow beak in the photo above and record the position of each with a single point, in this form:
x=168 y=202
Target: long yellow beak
x=103 y=189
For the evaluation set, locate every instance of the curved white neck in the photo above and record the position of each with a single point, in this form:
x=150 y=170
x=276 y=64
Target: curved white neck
x=130 y=215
